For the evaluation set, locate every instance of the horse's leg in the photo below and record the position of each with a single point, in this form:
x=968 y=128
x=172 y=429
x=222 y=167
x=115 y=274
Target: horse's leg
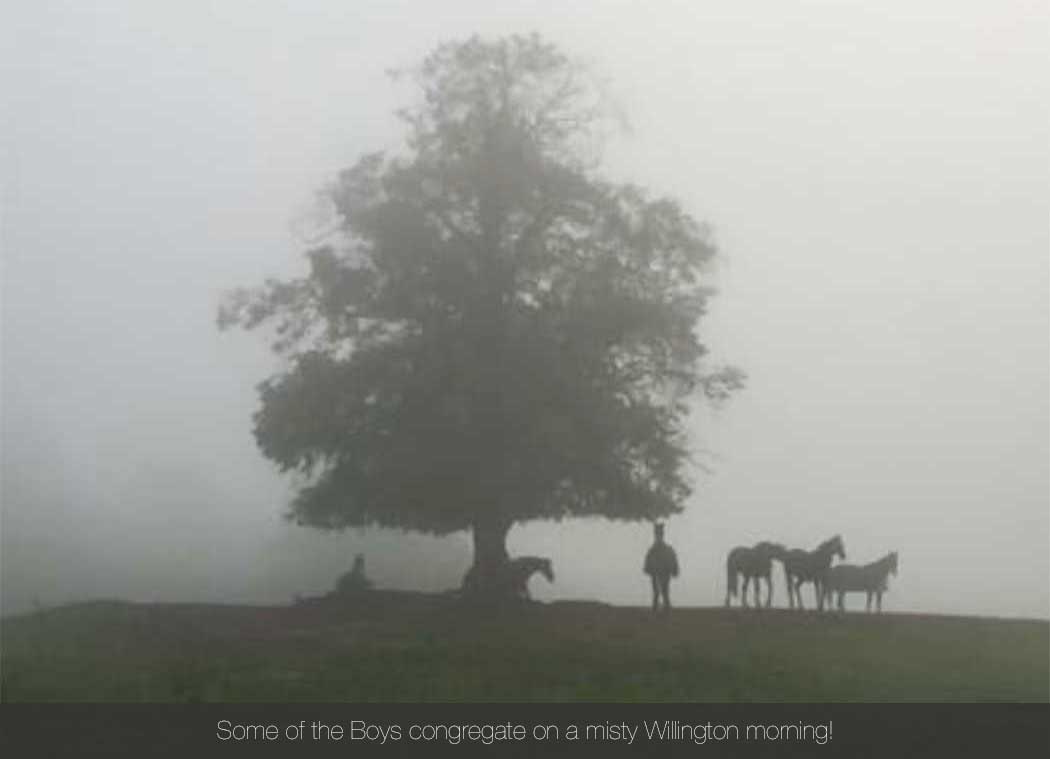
x=665 y=584
x=787 y=584
x=798 y=593
x=878 y=601
x=867 y=606
x=769 y=590
x=842 y=600
x=758 y=591
x=743 y=590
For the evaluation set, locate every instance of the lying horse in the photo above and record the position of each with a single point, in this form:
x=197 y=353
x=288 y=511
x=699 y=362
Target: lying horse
x=511 y=579
x=870 y=579
x=753 y=563
x=810 y=566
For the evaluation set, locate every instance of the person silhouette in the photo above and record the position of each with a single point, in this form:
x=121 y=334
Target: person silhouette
x=355 y=580
x=661 y=564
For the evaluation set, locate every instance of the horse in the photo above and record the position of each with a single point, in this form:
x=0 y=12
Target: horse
x=810 y=566
x=753 y=563
x=870 y=579
x=512 y=578
x=521 y=569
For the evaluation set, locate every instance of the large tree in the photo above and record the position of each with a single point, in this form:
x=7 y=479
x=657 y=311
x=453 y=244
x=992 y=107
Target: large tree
x=494 y=333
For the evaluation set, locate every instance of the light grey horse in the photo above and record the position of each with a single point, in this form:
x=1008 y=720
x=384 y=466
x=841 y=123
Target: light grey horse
x=870 y=578
x=753 y=563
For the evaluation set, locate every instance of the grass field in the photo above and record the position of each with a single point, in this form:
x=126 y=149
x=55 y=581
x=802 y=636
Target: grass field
x=407 y=647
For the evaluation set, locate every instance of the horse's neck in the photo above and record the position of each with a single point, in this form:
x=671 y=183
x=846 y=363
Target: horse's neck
x=527 y=564
x=880 y=567
x=824 y=555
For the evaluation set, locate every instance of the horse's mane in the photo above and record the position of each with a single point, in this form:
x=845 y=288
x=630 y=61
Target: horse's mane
x=525 y=566
x=827 y=544
x=530 y=561
x=885 y=561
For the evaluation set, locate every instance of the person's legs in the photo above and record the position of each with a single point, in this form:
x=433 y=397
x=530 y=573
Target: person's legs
x=665 y=587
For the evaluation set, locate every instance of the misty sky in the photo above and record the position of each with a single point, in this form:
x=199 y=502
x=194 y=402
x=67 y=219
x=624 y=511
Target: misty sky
x=876 y=175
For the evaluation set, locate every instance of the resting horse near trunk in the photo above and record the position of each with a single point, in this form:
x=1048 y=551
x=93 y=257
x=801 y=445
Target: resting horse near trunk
x=512 y=579
x=753 y=563
x=870 y=579
x=810 y=566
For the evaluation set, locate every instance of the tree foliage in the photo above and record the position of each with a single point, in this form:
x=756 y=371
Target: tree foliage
x=496 y=334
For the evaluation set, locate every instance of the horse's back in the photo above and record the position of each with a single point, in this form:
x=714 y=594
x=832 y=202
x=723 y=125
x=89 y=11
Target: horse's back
x=738 y=556
x=848 y=577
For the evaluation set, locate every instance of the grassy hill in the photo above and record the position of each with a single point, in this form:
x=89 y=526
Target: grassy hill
x=414 y=647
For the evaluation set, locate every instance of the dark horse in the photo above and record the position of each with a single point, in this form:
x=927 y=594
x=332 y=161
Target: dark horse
x=513 y=577
x=753 y=563
x=870 y=579
x=810 y=566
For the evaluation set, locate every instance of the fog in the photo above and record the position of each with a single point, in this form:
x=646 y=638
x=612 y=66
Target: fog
x=875 y=175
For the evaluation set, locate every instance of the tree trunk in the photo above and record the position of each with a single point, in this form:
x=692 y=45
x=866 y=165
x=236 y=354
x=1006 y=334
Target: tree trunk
x=490 y=557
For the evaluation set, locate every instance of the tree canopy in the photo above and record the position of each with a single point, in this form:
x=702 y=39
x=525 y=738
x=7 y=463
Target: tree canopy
x=495 y=333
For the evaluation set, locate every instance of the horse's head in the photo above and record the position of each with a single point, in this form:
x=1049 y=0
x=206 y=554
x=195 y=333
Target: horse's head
x=893 y=563
x=836 y=547
x=547 y=570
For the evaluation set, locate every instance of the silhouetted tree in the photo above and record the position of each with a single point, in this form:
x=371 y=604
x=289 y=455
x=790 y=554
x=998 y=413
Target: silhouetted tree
x=496 y=334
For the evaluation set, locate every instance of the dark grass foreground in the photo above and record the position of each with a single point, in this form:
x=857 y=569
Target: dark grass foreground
x=414 y=647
